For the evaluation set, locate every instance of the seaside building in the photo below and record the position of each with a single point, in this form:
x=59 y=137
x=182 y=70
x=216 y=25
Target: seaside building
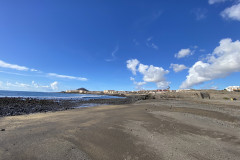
x=109 y=91
x=183 y=90
x=71 y=91
x=75 y=91
x=162 y=90
x=233 y=88
x=82 y=91
x=95 y=92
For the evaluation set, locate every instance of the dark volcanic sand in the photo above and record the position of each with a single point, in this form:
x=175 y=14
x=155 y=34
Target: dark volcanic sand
x=145 y=130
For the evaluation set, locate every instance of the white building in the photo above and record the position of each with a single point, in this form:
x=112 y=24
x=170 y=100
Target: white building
x=109 y=91
x=82 y=91
x=233 y=88
x=183 y=90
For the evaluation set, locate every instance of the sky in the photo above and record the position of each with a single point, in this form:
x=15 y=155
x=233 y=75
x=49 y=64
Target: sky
x=121 y=45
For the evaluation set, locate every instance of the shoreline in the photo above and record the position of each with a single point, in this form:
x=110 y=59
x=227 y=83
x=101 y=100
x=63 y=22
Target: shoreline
x=11 y=106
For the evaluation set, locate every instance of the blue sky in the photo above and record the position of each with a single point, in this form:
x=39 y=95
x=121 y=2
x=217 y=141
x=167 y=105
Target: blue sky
x=121 y=45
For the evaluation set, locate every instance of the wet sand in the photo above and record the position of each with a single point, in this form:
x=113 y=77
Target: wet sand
x=145 y=130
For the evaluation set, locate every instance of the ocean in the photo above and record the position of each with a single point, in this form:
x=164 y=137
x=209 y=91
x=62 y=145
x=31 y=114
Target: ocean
x=52 y=95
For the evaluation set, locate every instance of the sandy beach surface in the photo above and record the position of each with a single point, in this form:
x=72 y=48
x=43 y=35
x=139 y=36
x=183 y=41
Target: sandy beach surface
x=145 y=130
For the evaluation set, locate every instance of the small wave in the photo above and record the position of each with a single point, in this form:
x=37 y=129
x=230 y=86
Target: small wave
x=53 y=95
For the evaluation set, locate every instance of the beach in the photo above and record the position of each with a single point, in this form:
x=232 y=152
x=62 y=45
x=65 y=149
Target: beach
x=120 y=80
x=147 y=129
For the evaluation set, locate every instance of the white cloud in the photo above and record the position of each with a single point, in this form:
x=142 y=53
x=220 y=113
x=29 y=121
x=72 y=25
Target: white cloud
x=163 y=84
x=138 y=85
x=29 y=87
x=232 y=12
x=216 y=1
x=141 y=83
x=132 y=64
x=183 y=53
x=178 y=67
x=195 y=46
x=10 y=84
x=113 y=54
x=23 y=68
x=213 y=87
x=150 y=44
x=33 y=70
x=19 y=74
x=13 y=66
x=222 y=62
x=132 y=79
x=154 y=74
x=209 y=85
x=17 y=84
x=67 y=77
x=142 y=68
x=36 y=85
x=54 y=85
x=149 y=39
x=200 y=13
x=154 y=46
x=22 y=85
x=150 y=73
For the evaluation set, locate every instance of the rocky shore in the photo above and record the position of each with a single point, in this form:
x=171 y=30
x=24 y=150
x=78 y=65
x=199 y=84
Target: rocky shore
x=20 y=106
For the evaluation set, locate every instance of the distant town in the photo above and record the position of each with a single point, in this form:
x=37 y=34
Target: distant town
x=85 y=91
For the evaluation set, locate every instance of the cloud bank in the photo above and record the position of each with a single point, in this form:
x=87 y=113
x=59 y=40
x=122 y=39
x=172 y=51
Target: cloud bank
x=222 y=62
x=32 y=86
x=150 y=73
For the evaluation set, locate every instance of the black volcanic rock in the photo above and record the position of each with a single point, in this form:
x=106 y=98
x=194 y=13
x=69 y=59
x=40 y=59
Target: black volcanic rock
x=18 y=106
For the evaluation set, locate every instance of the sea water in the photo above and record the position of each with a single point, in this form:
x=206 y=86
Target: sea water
x=53 y=95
